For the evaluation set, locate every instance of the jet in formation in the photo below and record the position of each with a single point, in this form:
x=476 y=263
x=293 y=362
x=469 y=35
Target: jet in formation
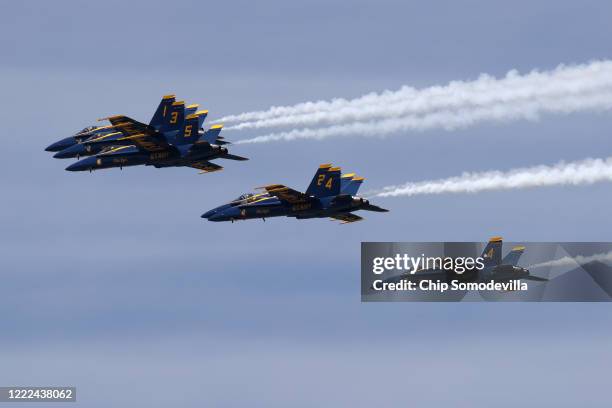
x=330 y=194
x=495 y=268
x=174 y=137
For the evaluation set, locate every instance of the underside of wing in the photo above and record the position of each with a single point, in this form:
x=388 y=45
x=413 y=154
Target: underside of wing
x=346 y=217
x=287 y=194
x=206 y=166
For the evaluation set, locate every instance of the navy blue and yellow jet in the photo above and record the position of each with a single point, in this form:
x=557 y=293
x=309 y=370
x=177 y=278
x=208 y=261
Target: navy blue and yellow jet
x=330 y=194
x=180 y=143
x=495 y=268
x=68 y=148
x=159 y=122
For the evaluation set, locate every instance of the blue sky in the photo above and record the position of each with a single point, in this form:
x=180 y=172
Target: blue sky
x=111 y=282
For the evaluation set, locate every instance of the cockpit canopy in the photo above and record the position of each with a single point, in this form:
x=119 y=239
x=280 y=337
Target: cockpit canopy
x=87 y=129
x=243 y=197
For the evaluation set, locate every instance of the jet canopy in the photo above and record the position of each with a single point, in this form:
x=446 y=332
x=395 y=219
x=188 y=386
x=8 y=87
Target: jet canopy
x=243 y=197
x=86 y=130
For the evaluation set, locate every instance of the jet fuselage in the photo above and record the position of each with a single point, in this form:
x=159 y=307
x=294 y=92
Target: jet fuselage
x=132 y=156
x=263 y=206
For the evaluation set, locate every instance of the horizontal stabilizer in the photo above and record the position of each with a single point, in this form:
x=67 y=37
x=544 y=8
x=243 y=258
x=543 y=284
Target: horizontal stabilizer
x=346 y=217
x=535 y=278
x=372 y=207
x=205 y=166
x=233 y=157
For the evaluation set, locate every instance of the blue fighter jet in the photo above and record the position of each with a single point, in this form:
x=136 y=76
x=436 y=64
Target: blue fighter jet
x=95 y=131
x=160 y=122
x=140 y=144
x=495 y=268
x=330 y=194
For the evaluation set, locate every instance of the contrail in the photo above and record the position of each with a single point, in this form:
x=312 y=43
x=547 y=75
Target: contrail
x=586 y=171
x=572 y=261
x=566 y=89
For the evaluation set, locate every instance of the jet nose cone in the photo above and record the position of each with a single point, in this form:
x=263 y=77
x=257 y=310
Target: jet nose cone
x=217 y=217
x=82 y=165
x=73 y=151
x=61 y=145
x=208 y=214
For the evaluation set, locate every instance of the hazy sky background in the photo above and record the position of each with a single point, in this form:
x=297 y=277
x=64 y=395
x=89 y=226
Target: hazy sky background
x=112 y=283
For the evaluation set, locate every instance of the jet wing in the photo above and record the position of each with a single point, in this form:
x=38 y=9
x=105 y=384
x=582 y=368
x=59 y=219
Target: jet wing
x=128 y=125
x=142 y=135
x=205 y=166
x=346 y=217
x=287 y=194
x=147 y=142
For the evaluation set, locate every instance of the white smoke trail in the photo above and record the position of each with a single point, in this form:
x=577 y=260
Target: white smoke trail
x=447 y=120
x=459 y=104
x=575 y=260
x=586 y=171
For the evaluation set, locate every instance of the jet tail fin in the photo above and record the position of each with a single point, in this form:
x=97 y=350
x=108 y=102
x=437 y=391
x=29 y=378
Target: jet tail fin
x=189 y=132
x=174 y=118
x=492 y=252
x=350 y=183
x=326 y=182
x=191 y=109
x=513 y=256
x=163 y=109
x=211 y=135
x=201 y=118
